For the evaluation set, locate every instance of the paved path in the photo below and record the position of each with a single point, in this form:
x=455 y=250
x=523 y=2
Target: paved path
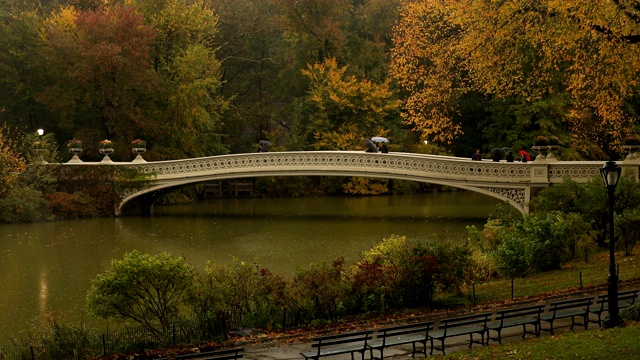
x=279 y=351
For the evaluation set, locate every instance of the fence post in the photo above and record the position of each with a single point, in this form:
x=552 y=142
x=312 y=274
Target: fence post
x=173 y=330
x=104 y=345
x=580 y=279
x=33 y=355
x=512 y=288
x=284 y=318
x=473 y=289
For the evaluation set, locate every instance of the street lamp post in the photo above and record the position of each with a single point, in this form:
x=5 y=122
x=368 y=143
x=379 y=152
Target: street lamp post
x=40 y=150
x=611 y=174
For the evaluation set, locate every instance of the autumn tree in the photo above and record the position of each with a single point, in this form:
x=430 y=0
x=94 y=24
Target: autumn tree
x=98 y=71
x=574 y=61
x=188 y=103
x=344 y=110
x=19 y=23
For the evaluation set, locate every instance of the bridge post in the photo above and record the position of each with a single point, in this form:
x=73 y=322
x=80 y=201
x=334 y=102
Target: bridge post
x=539 y=175
x=631 y=165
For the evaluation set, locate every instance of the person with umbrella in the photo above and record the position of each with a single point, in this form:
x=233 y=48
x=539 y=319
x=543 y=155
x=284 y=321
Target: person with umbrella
x=381 y=143
x=496 y=154
x=510 y=157
x=263 y=147
x=371 y=147
x=524 y=156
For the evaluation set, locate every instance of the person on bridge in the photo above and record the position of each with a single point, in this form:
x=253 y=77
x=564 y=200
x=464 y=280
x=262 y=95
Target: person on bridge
x=510 y=157
x=262 y=148
x=476 y=155
x=384 y=148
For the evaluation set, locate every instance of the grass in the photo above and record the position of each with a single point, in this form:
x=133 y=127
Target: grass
x=596 y=343
x=617 y=343
x=575 y=276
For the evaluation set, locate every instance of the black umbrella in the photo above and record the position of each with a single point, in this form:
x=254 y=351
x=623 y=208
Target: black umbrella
x=371 y=146
x=265 y=142
x=496 y=154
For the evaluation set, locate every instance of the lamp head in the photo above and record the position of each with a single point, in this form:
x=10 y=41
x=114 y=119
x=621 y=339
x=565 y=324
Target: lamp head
x=611 y=173
x=40 y=132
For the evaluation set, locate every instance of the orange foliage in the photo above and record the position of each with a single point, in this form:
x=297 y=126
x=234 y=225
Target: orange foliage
x=527 y=50
x=11 y=163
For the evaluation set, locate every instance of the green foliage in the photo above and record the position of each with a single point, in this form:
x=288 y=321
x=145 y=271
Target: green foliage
x=243 y=293
x=147 y=289
x=511 y=255
x=631 y=313
x=285 y=186
x=627 y=230
x=22 y=204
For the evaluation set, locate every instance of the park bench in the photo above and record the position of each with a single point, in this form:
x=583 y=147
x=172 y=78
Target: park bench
x=462 y=325
x=337 y=344
x=228 y=354
x=400 y=335
x=572 y=308
x=625 y=299
x=520 y=316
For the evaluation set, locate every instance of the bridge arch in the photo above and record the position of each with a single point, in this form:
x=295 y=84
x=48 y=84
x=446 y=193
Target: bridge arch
x=511 y=182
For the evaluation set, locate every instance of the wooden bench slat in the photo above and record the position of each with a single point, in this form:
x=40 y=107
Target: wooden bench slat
x=401 y=334
x=568 y=309
x=339 y=344
x=461 y=325
x=625 y=299
x=520 y=316
x=227 y=354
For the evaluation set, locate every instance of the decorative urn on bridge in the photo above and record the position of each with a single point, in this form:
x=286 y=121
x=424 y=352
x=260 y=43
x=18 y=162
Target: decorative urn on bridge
x=75 y=148
x=544 y=146
x=139 y=147
x=631 y=145
x=106 y=149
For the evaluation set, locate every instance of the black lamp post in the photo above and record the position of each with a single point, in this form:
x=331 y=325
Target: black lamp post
x=611 y=174
x=40 y=150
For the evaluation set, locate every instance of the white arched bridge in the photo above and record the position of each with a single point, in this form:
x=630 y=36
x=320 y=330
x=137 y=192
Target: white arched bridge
x=513 y=182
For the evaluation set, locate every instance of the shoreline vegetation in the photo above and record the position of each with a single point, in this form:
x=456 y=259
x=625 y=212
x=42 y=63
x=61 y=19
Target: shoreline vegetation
x=556 y=251
x=576 y=277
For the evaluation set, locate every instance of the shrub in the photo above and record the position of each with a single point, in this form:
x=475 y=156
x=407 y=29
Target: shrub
x=22 y=204
x=243 y=293
x=632 y=313
x=71 y=206
x=511 y=260
x=627 y=228
x=147 y=289
x=320 y=290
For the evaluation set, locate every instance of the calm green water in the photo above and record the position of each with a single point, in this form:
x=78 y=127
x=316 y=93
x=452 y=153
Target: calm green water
x=47 y=267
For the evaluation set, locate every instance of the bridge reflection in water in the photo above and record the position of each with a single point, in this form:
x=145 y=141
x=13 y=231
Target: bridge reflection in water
x=513 y=182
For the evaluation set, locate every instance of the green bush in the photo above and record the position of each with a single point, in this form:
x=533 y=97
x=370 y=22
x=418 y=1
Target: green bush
x=242 y=294
x=22 y=204
x=627 y=229
x=147 y=289
x=632 y=313
x=510 y=255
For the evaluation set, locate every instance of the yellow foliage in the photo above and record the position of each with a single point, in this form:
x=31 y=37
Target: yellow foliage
x=522 y=49
x=346 y=110
x=64 y=21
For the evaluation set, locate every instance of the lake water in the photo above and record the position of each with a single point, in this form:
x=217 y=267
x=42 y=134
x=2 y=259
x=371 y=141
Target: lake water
x=47 y=267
